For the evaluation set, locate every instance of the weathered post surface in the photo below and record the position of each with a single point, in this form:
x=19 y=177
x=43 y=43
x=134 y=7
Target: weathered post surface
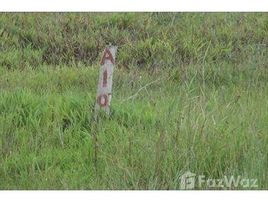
x=104 y=91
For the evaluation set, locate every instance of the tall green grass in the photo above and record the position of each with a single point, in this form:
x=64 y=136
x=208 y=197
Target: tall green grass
x=198 y=88
x=145 y=39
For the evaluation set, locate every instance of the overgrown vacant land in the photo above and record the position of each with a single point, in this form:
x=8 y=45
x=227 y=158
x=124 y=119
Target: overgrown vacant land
x=190 y=94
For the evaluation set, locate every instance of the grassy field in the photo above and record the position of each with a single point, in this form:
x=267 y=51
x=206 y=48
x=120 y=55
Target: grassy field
x=190 y=94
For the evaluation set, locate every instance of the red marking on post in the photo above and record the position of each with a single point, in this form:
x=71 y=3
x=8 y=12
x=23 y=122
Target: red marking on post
x=105 y=76
x=102 y=100
x=107 y=56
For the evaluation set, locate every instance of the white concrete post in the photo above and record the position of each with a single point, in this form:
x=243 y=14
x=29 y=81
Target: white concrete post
x=104 y=91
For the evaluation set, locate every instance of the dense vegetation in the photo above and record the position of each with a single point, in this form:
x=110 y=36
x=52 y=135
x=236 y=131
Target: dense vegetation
x=190 y=94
